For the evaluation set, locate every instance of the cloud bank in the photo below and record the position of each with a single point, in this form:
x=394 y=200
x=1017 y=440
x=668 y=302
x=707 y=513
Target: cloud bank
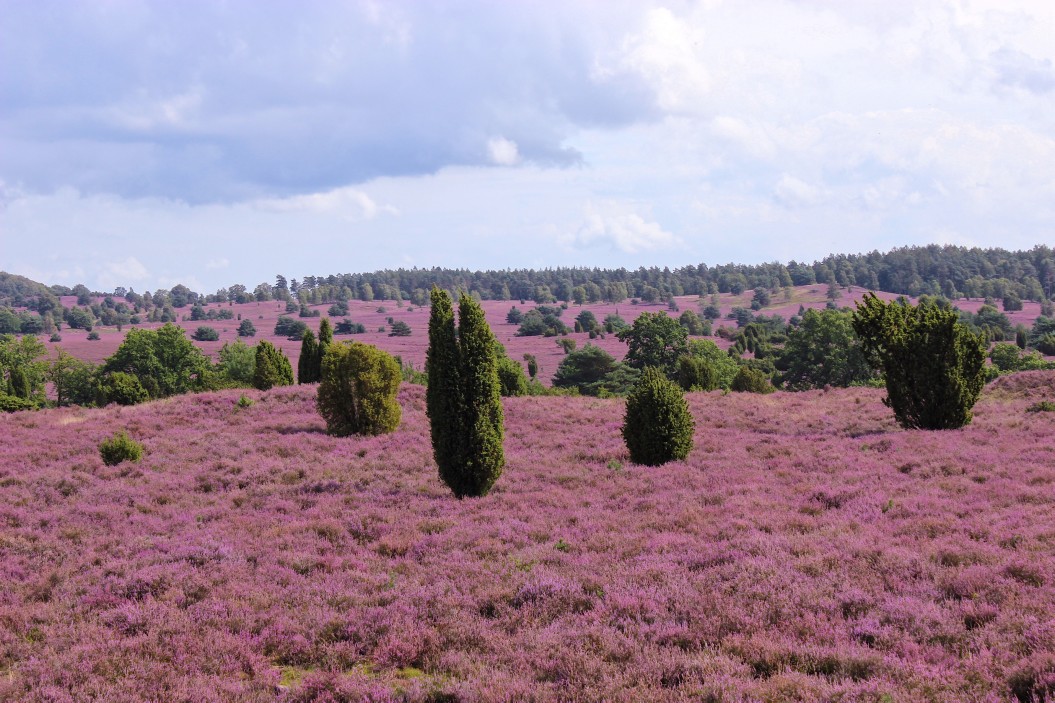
x=219 y=139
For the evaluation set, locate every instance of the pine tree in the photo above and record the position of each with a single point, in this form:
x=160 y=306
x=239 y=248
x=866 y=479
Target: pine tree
x=309 y=356
x=462 y=398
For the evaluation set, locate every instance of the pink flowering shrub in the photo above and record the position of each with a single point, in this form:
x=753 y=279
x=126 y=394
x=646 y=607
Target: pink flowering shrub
x=807 y=549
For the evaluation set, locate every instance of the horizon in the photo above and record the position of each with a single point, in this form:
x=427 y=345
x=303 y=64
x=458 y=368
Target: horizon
x=145 y=145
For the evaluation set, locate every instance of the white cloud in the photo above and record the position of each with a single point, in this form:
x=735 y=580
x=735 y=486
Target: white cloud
x=348 y=203
x=502 y=151
x=628 y=233
x=794 y=192
x=665 y=53
x=123 y=272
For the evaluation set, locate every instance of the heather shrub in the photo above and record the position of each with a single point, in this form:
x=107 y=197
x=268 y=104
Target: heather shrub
x=463 y=397
x=750 y=380
x=658 y=426
x=272 y=367
x=934 y=365
x=120 y=447
x=357 y=390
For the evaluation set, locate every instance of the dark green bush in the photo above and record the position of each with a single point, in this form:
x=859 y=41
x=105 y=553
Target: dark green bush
x=357 y=391
x=696 y=374
x=658 y=426
x=120 y=447
x=121 y=388
x=463 y=397
x=934 y=366
x=205 y=334
x=511 y=377
x=749 y=380
x=272 y=367
x=308 y=369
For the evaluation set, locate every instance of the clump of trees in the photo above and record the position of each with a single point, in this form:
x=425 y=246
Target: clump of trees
x=23 y=373
x=357 y=390
x=542 y=321
x=658 y=426
x=933 y=364
x=463 y=397
x=654 y=340
x=593 y=371
x=164 y=362
x=823 y=350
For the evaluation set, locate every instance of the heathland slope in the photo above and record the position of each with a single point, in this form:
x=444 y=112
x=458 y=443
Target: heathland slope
x=807 y=549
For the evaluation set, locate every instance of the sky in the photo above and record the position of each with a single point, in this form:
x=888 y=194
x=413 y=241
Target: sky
x=211 y=142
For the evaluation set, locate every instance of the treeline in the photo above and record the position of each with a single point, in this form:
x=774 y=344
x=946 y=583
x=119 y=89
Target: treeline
x=947 y=271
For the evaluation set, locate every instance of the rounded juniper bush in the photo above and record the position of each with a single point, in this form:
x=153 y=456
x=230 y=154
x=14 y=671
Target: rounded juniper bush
x=658 y=426
x=118 y=448
x=358 y=388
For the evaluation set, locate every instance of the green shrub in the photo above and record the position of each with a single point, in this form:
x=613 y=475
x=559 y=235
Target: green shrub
x=205 y=334
x=696 y=374
x=934 y=366
x=749 y=380
x=120 y=447
x=1044 y=406
x=511 y=378
x=93 y=336
x=658 y=426
x=244 y=401
x=122 y=388
x=272 y=367
x=357 y=391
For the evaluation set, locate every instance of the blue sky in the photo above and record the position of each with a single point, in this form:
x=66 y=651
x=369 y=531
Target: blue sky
x=146 y=144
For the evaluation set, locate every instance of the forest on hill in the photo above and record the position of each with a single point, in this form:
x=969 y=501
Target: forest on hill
x=947 y=271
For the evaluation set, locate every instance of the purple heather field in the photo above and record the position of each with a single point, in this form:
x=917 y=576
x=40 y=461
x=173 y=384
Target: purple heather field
x=807 y=550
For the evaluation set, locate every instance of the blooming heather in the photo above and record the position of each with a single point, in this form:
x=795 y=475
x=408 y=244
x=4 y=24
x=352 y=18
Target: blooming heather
x=807 y=549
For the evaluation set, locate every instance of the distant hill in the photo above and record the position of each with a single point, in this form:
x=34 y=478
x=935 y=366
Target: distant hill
x=948 y=271
x=17 y=290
